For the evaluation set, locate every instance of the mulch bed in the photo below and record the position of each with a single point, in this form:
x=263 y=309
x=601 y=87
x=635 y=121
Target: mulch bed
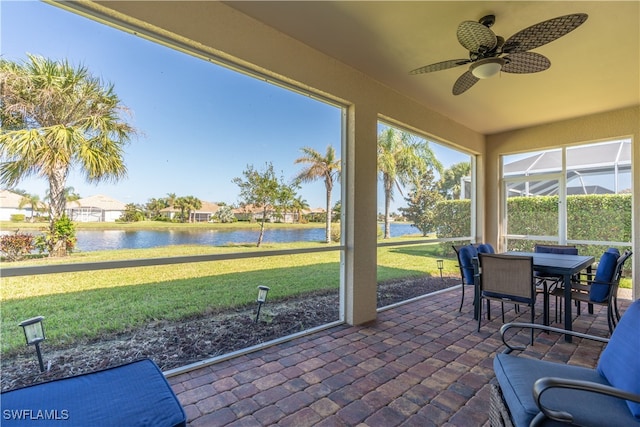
x=172 y=344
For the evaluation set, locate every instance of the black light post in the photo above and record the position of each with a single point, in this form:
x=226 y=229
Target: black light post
x=440 y=266
x=262 y=297
x=34 y=334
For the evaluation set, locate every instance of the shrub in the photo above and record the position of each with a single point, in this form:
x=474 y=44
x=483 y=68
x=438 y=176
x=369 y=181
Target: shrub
x=17 y=218
x=63 y=229
x=335 y=232
x=16 y=246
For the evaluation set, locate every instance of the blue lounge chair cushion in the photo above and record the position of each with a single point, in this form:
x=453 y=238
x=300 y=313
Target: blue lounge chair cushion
x=486 y=248
x=467 y=253
x=606 y=267
x=135 y=394
x=517 y=375
x=619 y=362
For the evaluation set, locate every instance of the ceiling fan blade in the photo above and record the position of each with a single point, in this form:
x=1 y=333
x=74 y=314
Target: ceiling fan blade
x=526 y=62
x=543 y=33
x=475 y=37
x=464 y=82
x=444 y=65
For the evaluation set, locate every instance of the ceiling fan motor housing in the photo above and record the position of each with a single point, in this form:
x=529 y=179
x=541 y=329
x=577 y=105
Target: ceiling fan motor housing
x=488 y=20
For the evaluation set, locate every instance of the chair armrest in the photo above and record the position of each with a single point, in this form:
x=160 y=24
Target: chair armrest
x=508 y=326
x=547 y=383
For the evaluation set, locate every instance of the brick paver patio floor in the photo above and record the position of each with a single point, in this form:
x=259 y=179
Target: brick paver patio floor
x=419 y=364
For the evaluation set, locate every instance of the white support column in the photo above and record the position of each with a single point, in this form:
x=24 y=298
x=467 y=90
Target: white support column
x=359 y=193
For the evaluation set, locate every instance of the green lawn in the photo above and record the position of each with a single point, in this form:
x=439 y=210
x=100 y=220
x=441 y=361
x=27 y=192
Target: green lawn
x=84 y=305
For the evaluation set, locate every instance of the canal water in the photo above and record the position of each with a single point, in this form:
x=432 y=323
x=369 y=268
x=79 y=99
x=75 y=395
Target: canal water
x=96 y=240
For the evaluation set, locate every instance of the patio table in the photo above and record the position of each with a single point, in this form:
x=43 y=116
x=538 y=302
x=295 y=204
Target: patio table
x=554 y=265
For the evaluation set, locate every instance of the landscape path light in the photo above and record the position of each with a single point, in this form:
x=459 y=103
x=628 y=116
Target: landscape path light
x=262 y=297
x=440 y=266
x=34 y=334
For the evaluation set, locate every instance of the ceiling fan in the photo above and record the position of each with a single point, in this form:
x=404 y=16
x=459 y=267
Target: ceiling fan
x=489 y=54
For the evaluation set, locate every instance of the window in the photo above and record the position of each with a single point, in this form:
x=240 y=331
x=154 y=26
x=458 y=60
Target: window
x=576 y=195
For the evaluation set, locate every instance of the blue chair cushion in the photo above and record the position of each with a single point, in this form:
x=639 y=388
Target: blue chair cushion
x=552 y=249
x=466 y=254
x=135 y=394
x=619 y=362
x=486 y=248
x=516 y=376
x=606 y=267
x=556 y=250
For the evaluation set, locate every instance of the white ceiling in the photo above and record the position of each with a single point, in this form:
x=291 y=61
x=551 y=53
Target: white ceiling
x=595 y=68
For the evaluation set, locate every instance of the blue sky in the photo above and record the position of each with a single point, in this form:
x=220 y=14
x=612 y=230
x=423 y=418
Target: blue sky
x=200 y=124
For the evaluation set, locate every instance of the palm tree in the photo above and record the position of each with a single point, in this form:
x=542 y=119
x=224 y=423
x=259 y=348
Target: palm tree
x=69 y=193
x=325 y=167
x=32 y=200
x=187 y=205
x=171 y=199
x=55 y=117
x=401 y=161
x=299 y=204
x=154 y=206
x=450 y=186
x=285 y=200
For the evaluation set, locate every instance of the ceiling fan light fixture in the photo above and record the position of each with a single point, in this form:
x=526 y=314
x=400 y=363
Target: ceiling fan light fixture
x=488 y=67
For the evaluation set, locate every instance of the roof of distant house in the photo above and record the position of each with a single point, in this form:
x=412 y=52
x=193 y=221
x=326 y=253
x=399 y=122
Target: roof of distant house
x=9 y=199
x=99 y=201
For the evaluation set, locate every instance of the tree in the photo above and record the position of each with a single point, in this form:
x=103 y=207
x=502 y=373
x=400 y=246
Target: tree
x=69 y=193
x=401 y=161
x=299 y=204
x=55 y=117
x=421 y=203
x=259 y=190
x=187 y=205
x=286 y=199
x=170 y=200
x=325 y=167
x=224 y=214
x=154 y=206
x=449 y=184
x=337 y=211
x=132 y=213
x=32 y=200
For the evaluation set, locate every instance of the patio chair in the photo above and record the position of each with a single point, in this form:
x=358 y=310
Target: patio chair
x=465 y=254
x=546 y=284
x=532 y=392
x=465 y=264
x=506 y=278
x=600 y=288
x=486 y=248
